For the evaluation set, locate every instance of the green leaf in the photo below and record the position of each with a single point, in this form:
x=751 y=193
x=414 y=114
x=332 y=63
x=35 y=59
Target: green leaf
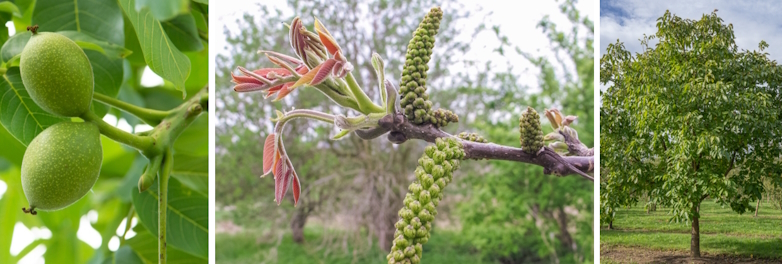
x=183 y=33
x=107 y=74
x=11 y=8
x=202 y=1
x=194 y=140
x=85 y=41
x=163 y=10
x=200 y=71
x=14 y=46
x=144 y=244
x=20 y=115
x=193 y=172
x=97 y=18
x=64 y=245
x=129 y=183
x=9 y=208
x=129 y=95
x=110 y=215
x=126 y=255
x=13 y=150
x=187 y=219
x=160 y=54
x=26 y=8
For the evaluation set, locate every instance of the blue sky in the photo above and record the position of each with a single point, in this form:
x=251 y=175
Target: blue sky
x=753 y=21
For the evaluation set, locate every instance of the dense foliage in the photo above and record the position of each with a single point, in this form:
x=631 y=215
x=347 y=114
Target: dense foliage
x=690 y=117
x=121 y=39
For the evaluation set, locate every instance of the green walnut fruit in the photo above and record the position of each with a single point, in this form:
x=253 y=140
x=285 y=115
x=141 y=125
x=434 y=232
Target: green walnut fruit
x=61 y=165
x=57 y=74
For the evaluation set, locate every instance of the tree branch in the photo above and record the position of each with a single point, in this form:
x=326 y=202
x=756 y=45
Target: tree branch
x=401 y=130
x=575 y=147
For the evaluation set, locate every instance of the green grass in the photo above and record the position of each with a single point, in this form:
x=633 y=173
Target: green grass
x=244 y=248
x=722 y=231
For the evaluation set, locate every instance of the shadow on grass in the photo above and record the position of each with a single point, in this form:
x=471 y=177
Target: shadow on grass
x=766 y=248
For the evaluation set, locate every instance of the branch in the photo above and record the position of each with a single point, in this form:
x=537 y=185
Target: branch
x=401 y=130
x=149 y=116
x=575 y=147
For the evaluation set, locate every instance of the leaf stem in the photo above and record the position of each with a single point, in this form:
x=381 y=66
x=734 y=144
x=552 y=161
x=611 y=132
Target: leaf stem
x=365 y=105
x=116 y=134
x=149 y=116
x=165 y=171
x=128 y=222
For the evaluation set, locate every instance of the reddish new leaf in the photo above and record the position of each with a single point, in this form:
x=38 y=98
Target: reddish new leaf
x=326 y=38
x=307 y=78
x=249 y=87
x=283 y=176
x=268 y=155
x=323 y=71
x=283 y=91
x=296 y=188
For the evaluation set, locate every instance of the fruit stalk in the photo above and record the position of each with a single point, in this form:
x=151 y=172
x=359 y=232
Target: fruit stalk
x=116 y=134
x=150 y=116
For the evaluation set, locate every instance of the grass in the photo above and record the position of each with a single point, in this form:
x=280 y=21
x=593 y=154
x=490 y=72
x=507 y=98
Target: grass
x=244 y=248
x=722 y=231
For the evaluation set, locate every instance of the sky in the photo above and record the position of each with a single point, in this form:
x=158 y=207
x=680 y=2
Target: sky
x=517 y=20
x=753 y=21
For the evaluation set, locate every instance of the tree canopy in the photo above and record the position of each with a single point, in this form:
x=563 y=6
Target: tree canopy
x=690 y=117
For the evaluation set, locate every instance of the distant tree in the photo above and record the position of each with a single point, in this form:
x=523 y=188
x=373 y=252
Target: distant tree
x=688 y=118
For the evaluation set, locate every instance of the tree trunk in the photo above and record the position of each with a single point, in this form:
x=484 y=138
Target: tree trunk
x=757 y=207
x=385 y=237
x=695 y=242
x=564 y=235
x=611 y=225
x=297 y=225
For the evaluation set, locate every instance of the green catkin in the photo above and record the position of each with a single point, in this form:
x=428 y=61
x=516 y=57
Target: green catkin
x=474 y=137
x=435 y=170
x=531 y=137
x=412 y=92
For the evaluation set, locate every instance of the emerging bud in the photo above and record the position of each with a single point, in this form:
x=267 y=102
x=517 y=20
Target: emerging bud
x=415 y=206
x=401 y=242
x=531 y=134
x=409 y=232
x=421 y=232
x=414 y=75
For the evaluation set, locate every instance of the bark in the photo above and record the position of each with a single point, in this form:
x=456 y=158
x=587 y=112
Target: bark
x=611 y=225
x=385 y=237
x=564 y=235
x=695 y=241
x=757 y=208
x=400 y=130
x=297 y=225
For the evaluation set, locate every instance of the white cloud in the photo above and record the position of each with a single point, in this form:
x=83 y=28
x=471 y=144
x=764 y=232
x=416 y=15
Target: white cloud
x=752 y=21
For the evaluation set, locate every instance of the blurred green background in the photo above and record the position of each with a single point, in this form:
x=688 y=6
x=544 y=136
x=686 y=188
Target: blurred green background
x=488 y=65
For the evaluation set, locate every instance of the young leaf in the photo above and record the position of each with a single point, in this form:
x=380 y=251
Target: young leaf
x=160 y=54
x=20 y=115
x=268 y=155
